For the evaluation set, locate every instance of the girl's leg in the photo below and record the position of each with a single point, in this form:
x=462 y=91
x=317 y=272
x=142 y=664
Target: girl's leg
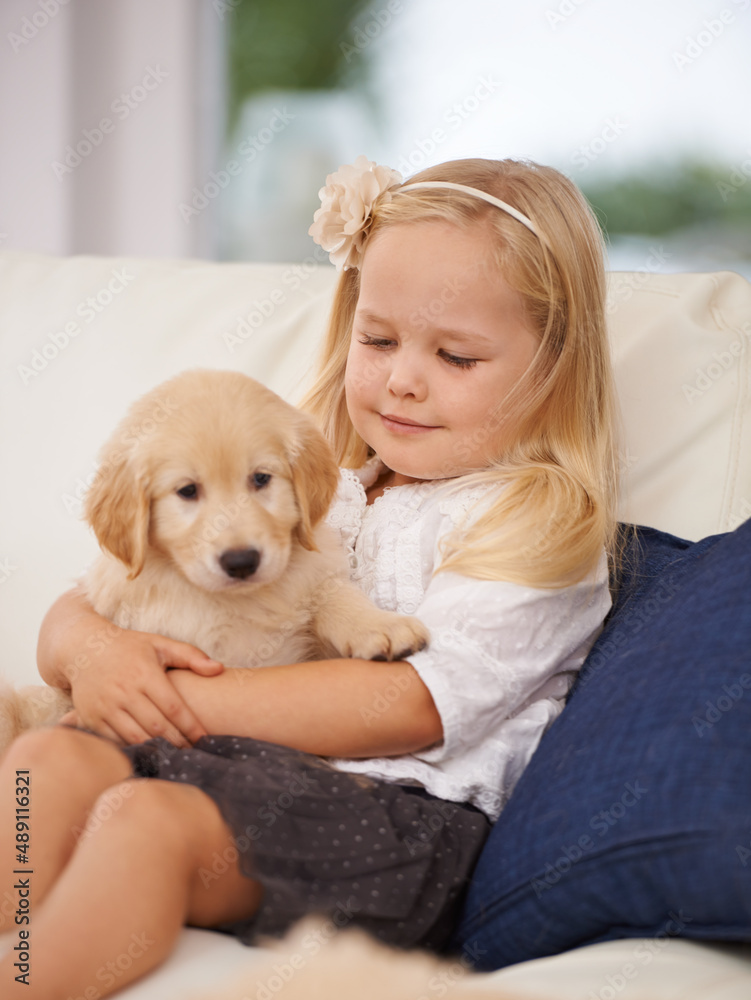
x=132 y=883
x=67 y=771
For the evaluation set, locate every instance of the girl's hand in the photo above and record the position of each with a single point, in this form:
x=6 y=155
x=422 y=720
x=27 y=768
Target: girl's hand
x=127 y=695
x=117 y=677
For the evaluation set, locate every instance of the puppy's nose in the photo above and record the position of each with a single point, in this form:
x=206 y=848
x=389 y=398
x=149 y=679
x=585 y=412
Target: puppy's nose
x=240 y=563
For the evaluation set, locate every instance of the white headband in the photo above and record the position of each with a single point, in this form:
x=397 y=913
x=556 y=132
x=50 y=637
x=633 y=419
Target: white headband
x=478 y=194
x=342 y=222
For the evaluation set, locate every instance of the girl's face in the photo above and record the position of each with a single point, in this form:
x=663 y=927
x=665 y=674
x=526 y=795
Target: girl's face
x=438 y=340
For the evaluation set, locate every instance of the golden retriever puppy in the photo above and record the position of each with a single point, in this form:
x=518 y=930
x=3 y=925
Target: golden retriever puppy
x=208 y=505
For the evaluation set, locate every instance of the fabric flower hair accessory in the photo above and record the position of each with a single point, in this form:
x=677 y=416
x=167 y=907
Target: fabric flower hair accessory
x=342 y=222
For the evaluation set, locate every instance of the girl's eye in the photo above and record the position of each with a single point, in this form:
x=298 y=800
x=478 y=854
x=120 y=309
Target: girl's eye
x=260 y=479
x=189 y=492
x=452 y=359
x=378 y=342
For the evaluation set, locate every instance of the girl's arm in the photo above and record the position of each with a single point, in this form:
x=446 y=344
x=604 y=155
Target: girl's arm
x=117 y=677
x=335 y=708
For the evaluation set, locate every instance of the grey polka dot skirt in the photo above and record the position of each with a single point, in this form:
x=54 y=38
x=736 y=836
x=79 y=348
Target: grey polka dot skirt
x=391 y=859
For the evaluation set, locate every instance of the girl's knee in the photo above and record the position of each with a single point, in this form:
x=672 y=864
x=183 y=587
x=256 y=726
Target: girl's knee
x=44 y=745
x=69 y=750
x=163 y=812
x=108 y=805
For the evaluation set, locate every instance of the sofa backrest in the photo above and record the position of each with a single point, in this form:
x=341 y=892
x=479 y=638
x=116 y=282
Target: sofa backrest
x=84 y=336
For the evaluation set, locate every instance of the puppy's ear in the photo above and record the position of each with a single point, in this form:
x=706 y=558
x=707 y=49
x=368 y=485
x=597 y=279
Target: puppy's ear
x=117 y=507
x=314 y=476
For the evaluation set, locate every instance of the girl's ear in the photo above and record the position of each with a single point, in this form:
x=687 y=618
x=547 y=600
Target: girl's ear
x=117 y=507
x=314 y=477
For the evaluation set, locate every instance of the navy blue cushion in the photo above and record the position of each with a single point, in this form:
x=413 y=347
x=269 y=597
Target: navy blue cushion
x=633 y=818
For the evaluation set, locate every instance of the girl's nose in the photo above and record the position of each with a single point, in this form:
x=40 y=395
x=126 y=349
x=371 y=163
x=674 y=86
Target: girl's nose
x=407 y=376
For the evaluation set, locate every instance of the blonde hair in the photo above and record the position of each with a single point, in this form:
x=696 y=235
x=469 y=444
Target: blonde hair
x=549 y=525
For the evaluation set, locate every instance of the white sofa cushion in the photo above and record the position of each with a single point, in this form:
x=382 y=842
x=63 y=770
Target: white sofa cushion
x=682 y=354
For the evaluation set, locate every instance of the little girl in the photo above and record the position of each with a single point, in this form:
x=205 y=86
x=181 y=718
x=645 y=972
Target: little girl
x=466 y=391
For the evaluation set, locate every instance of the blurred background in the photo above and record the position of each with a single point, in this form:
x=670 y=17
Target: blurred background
x=204 y=128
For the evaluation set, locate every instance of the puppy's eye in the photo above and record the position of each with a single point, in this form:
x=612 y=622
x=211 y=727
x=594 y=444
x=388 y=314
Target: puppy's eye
x=260 y=479
x=189 y=492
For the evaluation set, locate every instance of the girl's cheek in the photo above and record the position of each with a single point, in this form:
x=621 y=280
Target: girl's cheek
x=364 y=371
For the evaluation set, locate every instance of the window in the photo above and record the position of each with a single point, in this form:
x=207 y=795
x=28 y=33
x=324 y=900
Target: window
x=644 y=105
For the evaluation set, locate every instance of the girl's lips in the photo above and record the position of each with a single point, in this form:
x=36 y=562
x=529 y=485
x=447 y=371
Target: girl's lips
x=402 y=426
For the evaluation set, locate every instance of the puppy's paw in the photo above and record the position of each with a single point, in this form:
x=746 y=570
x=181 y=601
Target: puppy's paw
x=347 y=623
x=387 y=636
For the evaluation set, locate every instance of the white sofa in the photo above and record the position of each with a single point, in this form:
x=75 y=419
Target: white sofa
x=83 y=336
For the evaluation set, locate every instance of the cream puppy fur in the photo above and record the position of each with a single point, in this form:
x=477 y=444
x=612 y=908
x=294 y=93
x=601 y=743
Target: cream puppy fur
x=208 y=505
x=315 y=961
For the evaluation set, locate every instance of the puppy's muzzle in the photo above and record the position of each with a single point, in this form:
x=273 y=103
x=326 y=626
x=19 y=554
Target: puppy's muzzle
x=240 y=563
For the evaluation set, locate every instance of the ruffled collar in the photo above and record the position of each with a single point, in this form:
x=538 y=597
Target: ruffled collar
x=369 y=473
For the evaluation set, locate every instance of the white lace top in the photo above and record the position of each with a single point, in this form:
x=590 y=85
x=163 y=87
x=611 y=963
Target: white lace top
x=502 y=657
